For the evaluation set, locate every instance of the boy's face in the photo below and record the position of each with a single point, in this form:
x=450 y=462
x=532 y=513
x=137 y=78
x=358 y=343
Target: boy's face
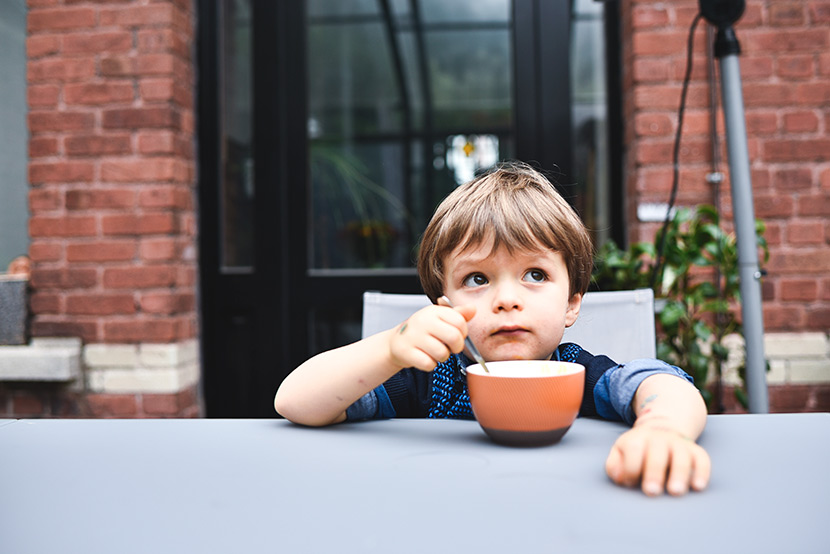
x=522 y=300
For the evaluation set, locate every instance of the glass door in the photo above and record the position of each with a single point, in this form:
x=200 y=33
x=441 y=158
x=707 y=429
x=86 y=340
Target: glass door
x=330 y=129
x=592 y=120
x=407 y=99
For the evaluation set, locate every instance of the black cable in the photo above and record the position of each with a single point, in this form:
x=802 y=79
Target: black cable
x=676 y=154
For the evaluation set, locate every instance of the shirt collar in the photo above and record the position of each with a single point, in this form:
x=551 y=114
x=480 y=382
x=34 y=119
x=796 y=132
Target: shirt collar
x=464 y=361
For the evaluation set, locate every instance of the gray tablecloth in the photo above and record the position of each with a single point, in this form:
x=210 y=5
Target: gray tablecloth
x=397 y=486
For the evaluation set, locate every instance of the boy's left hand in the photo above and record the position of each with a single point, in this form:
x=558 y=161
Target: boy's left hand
x=659 y=458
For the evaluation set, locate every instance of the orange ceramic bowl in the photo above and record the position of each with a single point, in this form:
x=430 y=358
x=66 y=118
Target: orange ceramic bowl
x=526 y=402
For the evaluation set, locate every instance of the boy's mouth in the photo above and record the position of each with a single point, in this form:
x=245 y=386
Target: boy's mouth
x=509 y=331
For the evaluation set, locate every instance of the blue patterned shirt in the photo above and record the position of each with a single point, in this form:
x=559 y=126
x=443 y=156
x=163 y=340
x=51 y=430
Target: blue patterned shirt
x=442 y=393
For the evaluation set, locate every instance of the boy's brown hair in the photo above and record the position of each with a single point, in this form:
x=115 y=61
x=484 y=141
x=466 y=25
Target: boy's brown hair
x=516 y=206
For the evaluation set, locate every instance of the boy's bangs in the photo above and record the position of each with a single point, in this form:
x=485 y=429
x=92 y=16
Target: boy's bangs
x=513 y=225
x=513 y=207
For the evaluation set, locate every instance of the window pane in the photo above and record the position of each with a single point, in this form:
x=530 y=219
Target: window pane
x=435 y=11
x=352 y=87
x=470 y=78
x=359 y=217
x=14 y=239
x=590 y=118
x=237 y=180
x=337 y=8
x=402 y=107
x=416 y=95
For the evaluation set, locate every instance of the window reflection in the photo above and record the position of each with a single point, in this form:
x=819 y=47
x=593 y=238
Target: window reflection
x=393 y=85
x=590 y=118
x=470 y=78
x=237 y=180
x=467 y=155
x=14 y=239
x=469 y=12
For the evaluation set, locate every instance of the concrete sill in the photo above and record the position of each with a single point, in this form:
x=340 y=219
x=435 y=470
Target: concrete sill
x=45 y=360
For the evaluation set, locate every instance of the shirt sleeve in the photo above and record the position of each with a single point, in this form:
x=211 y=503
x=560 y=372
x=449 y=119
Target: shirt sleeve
x=595 y=368
x=375 y=404
x=615 y=389
x=406 y=394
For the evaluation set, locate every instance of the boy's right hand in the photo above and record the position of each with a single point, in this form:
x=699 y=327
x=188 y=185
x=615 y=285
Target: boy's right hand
x=429 y=336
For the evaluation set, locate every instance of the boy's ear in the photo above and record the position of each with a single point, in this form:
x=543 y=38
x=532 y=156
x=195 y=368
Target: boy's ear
x=574 y=304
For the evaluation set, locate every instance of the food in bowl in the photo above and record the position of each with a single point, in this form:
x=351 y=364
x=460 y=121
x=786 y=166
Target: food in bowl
x=526 y=402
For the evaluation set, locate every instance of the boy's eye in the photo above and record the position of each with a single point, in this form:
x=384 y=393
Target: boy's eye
x=475 y=280
x=535 y=276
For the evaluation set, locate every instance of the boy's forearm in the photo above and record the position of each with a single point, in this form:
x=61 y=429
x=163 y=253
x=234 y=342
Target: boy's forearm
x=320 y=390
x=670 y=402
x=660 y=453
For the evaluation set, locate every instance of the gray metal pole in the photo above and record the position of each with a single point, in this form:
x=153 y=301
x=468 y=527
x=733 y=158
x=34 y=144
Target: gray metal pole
x=743 y=208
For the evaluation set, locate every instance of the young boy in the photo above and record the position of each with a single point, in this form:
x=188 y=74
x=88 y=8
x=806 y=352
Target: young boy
x=515 y=260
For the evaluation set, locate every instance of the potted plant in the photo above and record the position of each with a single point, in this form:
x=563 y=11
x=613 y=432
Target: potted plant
x=697 y=287
x=354 y=211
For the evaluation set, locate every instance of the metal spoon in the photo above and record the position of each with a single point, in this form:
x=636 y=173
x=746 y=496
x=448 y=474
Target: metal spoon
x=470 y=346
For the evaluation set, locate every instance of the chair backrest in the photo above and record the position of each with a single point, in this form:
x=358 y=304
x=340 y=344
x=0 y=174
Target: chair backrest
x=619 y=324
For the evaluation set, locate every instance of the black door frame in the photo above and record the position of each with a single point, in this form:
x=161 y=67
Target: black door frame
x=252 y=320
x=255 y=325
x=543 y=84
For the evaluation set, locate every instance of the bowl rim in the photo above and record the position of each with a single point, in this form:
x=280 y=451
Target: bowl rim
x=572 y=367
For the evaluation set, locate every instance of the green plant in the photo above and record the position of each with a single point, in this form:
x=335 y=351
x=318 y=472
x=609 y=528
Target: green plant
x=697 y=282
x=371 y=241
x=342 y=180
x=351 y=210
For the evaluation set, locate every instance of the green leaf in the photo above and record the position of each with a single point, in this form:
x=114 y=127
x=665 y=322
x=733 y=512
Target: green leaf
x=672 y=313
x=720 y=351
x=700 y=305
x=740 y=395
x=715 y=306
x=707 y=396
x=702 y=330
x=669 y=278
x=664 y=352
x=645 y=248
x=707 y=210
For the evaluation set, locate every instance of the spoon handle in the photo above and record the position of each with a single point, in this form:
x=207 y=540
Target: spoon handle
x=476 y=354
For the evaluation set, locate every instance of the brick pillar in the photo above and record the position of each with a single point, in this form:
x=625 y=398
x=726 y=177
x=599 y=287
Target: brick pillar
x=113 y=237
x=785 y=69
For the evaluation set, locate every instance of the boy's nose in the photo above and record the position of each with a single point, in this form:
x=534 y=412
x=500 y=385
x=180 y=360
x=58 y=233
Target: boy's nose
x=508 y=297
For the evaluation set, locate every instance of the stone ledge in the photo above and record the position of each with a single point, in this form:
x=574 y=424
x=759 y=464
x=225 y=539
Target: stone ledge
x=141 y=355
x=131 y=380
x=52 y=360
x=794 y=358
x=797 y=345
x=141 y=368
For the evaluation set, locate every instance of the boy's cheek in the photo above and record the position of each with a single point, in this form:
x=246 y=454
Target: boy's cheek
x=478 y=339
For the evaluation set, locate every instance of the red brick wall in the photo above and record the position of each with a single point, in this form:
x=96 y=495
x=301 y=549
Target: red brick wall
x=783 y=399
x=49 y=401
x=111 y=172
x=785 y=67
x=112 y=227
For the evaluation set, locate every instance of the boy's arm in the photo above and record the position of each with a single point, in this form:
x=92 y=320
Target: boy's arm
x=659 y=451
x=320 y=390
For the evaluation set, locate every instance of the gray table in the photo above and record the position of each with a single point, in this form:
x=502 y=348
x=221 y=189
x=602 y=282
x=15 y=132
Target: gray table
x=397 y=486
